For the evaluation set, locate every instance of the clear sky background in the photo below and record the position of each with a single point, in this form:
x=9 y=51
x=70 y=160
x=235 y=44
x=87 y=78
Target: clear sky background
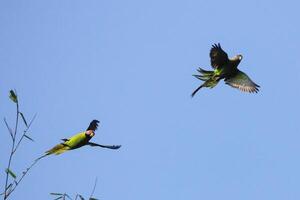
x=129 y=64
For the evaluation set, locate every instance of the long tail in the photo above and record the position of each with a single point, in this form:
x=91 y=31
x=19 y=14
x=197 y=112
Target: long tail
x=193 y=94
x=207 y=76
x=58 y=149
x=39 y=158
x=204 y=74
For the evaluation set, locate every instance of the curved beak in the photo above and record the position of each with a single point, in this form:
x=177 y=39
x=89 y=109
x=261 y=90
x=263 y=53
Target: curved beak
x=92 y=134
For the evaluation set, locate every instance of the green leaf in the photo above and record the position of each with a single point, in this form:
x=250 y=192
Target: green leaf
x=8 y=171
x=29 y=138
x=24 y=120
x=53 y=193
x=13 y=96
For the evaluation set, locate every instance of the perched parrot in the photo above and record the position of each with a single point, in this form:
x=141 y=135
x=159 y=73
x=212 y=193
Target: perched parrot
x=78 y=141
x=225 y=68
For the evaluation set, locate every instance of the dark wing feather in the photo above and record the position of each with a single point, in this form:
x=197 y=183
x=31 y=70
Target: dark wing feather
x=93 y=125
x=242 y=82
x=104 y=146
x=218 y=57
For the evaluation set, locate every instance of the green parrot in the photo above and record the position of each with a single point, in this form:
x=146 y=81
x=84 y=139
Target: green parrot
x=225 y=68
x=78 y=141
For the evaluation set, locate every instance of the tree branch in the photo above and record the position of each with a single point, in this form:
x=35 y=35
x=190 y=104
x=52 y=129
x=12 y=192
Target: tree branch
x=23 y=175
x=12 y=152
x=10 y=186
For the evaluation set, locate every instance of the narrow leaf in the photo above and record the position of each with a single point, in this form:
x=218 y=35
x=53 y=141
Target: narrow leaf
x=59 y=197
x=13 y=96
x=24 y=120
x=9 y=186
x=9 y=129
x=10 y=173
x=29 y=138
x=81 y=197
x=53 y=193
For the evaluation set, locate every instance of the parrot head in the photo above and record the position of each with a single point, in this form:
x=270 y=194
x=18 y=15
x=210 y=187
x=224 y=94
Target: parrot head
x=237 y=58
x=240 y=57
x=90 y=133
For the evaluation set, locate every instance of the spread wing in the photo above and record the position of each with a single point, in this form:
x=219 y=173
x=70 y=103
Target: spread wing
x=242 y=82
x=93 y=125
x=104 y=146
x=218 y=57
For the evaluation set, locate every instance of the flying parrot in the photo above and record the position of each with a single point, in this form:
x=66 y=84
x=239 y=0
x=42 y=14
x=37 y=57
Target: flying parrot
x=225 y=68
x=78 y=141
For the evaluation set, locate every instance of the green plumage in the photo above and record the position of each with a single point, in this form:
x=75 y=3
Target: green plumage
x=73 y=142
x=225 y=68
x=78 y=140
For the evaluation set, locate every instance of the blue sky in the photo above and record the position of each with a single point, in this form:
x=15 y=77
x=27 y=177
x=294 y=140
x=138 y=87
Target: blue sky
x=129 y=64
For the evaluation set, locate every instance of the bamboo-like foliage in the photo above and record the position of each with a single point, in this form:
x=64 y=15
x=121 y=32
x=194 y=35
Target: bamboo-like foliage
x=65 y=196
x=12 y=181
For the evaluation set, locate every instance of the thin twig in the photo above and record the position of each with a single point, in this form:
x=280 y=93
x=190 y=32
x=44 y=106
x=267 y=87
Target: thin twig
x=11 y=153
x=24 y=133
x=95 y=184
x=23 y=175
x=15 y=145
x=9 y=129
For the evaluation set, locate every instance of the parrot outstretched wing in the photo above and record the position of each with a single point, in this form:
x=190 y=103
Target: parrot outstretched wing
x=218 y=57
x=242 y=82
x=104 y=146
x=93 y=125
x=99 y=145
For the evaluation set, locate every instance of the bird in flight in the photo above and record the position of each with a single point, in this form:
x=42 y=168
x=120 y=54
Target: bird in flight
x=225 y=68
x=78 y=140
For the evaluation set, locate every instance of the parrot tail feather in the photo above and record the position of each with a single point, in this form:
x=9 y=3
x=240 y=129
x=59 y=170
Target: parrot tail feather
x=58 y=149
x=205 y=72
x=193 y=94
x=39 y=158
x=209 y=77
